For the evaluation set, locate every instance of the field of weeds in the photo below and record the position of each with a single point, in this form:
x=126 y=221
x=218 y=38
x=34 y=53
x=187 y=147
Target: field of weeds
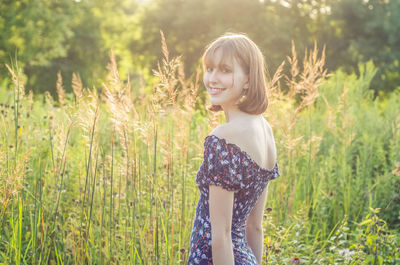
x=107 y=175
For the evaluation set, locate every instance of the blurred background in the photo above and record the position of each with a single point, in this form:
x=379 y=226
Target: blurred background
x=47 y=36
x=103 y=119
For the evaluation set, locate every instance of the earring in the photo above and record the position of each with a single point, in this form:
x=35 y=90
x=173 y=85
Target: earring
x=243 y=97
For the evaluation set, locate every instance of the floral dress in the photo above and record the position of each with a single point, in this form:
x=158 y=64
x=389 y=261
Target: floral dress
x=226 y=165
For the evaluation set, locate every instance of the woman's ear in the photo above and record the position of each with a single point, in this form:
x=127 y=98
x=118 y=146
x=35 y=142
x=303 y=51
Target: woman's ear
x=246 y=85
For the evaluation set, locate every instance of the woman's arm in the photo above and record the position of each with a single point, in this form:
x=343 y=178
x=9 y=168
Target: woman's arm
x=221 y=205
x=254 y=231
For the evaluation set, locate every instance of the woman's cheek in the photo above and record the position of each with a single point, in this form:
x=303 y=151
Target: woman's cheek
x=205 y=79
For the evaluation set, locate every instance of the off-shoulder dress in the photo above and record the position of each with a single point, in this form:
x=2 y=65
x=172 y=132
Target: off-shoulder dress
x=226 y=165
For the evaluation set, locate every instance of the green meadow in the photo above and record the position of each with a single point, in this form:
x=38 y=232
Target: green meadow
x=107 y=175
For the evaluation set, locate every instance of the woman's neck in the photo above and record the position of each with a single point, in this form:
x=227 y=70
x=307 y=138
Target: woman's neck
x=234 y=114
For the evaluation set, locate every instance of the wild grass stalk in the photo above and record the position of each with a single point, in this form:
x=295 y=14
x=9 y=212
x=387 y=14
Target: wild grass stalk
x=36 y=209
x=102 y=220
x=61 y=172
x=112 y=201
x=18 y=93
x=85 y=210
x=91 y=202
x=333 y=163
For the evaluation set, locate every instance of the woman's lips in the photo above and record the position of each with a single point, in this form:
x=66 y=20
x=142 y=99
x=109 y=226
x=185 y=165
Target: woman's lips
x=215 y=91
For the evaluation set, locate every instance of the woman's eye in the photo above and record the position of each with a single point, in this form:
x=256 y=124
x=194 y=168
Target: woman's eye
x=225 y=70
x=209 y=69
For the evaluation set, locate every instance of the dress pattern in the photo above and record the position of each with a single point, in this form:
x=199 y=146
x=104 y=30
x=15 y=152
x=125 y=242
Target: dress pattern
x=226 y=165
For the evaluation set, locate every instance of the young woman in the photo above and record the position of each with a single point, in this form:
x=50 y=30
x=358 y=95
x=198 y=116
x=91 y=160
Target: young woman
x=239 y=157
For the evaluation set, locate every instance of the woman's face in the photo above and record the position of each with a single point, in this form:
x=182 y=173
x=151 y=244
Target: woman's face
x=224 y=82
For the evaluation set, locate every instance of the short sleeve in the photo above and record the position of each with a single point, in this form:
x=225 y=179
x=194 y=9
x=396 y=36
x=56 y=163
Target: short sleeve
x=222 y=165
x=274 y=173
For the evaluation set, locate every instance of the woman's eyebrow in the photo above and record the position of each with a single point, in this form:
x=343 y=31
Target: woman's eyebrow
x=209 y=64
x=224 y=65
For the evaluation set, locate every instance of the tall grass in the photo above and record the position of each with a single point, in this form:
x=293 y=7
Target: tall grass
x=108 y=176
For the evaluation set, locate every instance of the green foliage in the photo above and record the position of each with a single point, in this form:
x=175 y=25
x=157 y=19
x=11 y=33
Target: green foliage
x=104 y=179
x=190 y=25
x=67 y=36
x=366 y=30
x=369 y=242
x=377 y=242
x=109 y=178
x=37 y=30
x=77 y=36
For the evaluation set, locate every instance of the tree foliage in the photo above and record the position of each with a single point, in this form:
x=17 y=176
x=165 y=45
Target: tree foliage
x=77 y=36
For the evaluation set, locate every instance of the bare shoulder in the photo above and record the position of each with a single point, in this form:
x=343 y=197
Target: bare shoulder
x=230 y=132
x=268 y=126
x=255 y=137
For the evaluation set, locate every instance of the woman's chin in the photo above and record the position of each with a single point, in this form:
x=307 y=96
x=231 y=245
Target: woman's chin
x=216 y=102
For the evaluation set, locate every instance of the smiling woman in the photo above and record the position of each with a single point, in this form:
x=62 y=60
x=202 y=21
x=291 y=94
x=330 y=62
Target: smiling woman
x=238 y=64
x=239 y=157
x=219 y=78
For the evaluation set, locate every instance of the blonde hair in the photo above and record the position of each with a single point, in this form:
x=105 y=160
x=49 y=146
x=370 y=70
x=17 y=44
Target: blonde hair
x=250 y=58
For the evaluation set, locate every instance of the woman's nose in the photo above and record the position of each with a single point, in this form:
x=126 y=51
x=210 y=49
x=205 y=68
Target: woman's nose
x=213 y=76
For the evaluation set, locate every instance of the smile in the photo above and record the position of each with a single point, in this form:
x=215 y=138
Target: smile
x=216 y=89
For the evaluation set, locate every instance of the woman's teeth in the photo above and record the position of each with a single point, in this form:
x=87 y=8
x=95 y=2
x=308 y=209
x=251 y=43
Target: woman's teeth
x=216 y=89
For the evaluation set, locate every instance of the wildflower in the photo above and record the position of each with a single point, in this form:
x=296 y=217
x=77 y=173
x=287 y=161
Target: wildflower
x=296 y=260
x=347 y=254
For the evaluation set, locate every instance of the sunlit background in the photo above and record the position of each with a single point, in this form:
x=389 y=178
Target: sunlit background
x=77 y=36
x=103 y=117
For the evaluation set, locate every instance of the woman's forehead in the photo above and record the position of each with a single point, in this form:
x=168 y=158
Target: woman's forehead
x=219 y=57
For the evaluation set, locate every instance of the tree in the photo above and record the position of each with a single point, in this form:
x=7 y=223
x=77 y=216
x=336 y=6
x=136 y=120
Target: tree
x=33 y=31
x=364 y=30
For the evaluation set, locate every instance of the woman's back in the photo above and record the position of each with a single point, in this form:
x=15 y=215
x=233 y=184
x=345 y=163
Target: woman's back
x=228 y=166
x=253 y=136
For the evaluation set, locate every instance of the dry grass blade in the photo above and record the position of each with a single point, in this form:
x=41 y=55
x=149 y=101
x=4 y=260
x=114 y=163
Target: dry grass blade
x=87 y=112
x=77 y=86
x=113 y=79
x=16 y=80
x=120 y=104
x=60 y=89
x=164 y=46
x=194 y=88
x=273 y=90
x=128 y=101
x=294 y=72
x=12 y=183
x=169 y=74
x=189 y=90
x=309 y=79
x=49 y=99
